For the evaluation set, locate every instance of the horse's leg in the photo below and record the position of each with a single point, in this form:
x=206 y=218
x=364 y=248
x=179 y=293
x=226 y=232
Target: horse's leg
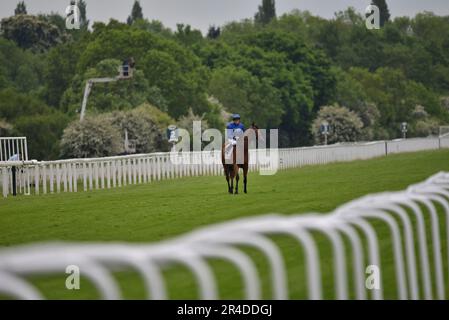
x=227 y=179
x=245 y=178
x=245 y=165
x=237 y=178
x=231 y=190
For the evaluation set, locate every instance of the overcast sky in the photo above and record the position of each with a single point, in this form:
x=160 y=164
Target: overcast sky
x=202 y=13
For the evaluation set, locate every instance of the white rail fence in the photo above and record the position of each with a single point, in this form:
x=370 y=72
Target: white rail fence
x=13 y=146
x=413 y=217
x=88 y=174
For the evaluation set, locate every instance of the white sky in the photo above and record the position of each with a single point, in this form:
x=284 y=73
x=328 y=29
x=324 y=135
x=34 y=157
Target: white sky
x=203 y=13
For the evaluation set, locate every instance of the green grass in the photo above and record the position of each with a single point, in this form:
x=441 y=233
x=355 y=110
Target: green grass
x=161 y=210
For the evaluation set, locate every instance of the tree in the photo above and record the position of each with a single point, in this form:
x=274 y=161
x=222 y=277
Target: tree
x=384 y=12
x=55 y=19
x=188 y=36
x=213 y=32
x=146 y=127
x=30 y=32
x=59 y=71
x=154 y=26
x=21 y=8
x=104 y=134
x=150 y=49
x=240 y=92
x=266 y=13
x=345 y=125
x=426 y=127
x=20 y=69
x=106 y=97
x=136 y=13
x=186 y=123
x=14 y=104
x=44 y=132
x=94 y=137
x=31 y=118
x=84 y=23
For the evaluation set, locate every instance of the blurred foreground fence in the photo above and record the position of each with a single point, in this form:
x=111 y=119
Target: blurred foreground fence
x=417 y=221
x=88 y=174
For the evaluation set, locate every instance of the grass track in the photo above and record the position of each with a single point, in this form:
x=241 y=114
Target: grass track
x=157 y=211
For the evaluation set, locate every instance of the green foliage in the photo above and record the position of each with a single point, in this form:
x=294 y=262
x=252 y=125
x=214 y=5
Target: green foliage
x=14 y=105
x=241 y=92
x=44 y=133
x=118 y=95
x=213 y=32
x=26 y=115
x=154 y=26
x=54 y=19
x=384 y=12
x=21 y=8
x=20 y=69
x=160 y=118
x=136 y=13
x=299 y=76
x=29 y=32
x=188 y=87
x=61 y=69
x=188 y=37
x=84 y=23
x=215 y=116
x=266 y=13
x=426 y=127
x=186 y=122
x=165 y=73
x=396 y=97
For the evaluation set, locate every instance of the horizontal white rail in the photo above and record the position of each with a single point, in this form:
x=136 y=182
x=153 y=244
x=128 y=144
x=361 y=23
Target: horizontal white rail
x=74 y=175
x=412 y=217
x=411 y=145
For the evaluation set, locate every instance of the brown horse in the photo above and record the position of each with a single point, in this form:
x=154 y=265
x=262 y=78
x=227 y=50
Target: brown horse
x=231 y=170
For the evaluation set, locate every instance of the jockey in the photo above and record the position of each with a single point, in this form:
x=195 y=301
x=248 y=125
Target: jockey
x=235 y=129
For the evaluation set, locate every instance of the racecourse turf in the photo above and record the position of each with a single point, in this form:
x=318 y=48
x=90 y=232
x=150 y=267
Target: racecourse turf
x=161 y=210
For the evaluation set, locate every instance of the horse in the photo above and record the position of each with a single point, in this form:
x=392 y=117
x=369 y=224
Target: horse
x=231 y=170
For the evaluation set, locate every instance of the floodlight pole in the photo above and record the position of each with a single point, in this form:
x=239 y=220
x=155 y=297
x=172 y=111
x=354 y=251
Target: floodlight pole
x=172 y=136
x=404 y=129
x=325 y=131
x=126 y=72
x=88 y=89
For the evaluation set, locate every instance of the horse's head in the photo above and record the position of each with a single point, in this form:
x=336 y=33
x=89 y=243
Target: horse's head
x=253 y=132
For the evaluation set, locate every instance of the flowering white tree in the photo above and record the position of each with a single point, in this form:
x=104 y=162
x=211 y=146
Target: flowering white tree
x=94 y=137
x=345 y=125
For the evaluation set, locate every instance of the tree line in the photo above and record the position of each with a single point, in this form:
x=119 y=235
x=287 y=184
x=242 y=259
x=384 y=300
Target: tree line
x=290 y=72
